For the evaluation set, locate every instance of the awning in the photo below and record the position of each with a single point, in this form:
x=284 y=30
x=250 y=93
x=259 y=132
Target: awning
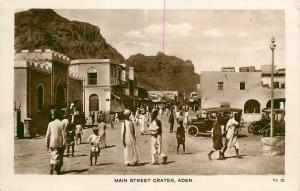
x=117 y=107
x=116 y=96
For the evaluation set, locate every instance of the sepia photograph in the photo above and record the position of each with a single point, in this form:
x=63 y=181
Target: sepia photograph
x=149 y=92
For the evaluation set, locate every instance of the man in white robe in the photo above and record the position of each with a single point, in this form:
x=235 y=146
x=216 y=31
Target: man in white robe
x=142 y=122
x=231 y=135
x=156 y=140
x=131 y=151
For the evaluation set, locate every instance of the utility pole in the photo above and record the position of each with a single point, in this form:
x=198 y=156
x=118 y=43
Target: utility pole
x=272 y=47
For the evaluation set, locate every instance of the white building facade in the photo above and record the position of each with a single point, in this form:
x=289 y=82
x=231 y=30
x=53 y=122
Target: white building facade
x=246 y=90
x=104 y=81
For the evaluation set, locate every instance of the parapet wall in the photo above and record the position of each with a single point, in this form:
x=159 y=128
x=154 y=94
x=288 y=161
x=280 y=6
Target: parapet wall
x=34 y=65
x=41 y=61
x=40 y=55
x=75 y=76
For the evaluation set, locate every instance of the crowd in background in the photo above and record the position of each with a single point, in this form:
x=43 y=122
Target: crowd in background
x=66 y=130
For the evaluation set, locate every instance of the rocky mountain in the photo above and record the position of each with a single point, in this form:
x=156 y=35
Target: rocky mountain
x=44 y=28
x=163 y=72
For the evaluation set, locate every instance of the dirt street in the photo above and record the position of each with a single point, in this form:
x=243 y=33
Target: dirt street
x=31 y=157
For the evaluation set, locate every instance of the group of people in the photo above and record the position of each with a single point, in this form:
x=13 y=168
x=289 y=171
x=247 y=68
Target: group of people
x=64 y=131
x=108 y=117
x=230 y=131
x=149 y=119
x=128 y=136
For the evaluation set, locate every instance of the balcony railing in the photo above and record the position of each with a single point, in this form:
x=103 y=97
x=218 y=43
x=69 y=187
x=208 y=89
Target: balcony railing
x=117 y=81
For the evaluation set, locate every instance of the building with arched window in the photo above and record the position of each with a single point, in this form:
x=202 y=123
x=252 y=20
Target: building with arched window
x=42 y=82
x=92 y=76
x=105 y=81
x=248 y=89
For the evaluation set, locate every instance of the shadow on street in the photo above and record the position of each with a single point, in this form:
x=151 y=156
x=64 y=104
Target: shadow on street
x=235 y=157
x=103 y=164
x=75 y=171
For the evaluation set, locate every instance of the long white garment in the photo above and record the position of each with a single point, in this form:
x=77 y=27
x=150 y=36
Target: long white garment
x=142 y=122
x=230 y=135
x=102 y=131
x=131 y=151
x=156 y=142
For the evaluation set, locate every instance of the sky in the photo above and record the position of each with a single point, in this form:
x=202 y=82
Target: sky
x=211 y=39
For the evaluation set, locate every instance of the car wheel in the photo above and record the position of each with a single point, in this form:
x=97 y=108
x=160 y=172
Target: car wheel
x=265 y=132
x=192 y=130
x=250 y=128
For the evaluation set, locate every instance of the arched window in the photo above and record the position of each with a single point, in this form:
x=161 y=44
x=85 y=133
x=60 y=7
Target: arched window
x=40 y=98
x=94 y=103
x=92 y=76
x=252 y=106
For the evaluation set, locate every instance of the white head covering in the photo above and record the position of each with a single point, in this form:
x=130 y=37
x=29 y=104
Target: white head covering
x=127 y=112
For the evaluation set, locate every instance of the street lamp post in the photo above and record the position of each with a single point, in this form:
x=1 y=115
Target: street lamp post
x=272 y=47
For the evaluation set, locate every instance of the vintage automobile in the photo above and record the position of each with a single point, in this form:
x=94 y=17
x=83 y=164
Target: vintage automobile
x=255 y=127
x=279 y=123
x=203 y=125
x=261 y=126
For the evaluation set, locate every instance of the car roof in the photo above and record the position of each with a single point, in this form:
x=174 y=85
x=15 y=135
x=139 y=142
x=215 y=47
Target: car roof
x=221 y=109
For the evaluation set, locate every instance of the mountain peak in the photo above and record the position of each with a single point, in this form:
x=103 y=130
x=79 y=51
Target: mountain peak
x=163 y=72
x=44 y=28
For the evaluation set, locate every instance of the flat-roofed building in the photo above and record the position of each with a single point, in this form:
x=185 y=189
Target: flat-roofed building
x=249 y=91
x=105 y=81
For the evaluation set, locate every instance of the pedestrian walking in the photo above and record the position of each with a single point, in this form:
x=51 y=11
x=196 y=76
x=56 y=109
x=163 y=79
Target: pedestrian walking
x=143 y=123
x=101 y=116
x=231 y=135
x=137 y=116
x=71 y=137
x=216 y=136
x=72 y=112
x=93 y=118
x=65 y=122
x=181 y=116
x=117 y=118
x=156 y=140
x=161 y=111
x=132 y=117
x=171 y=120
x=94 y=140
x=177 y=116
x=108 y=119
x=55 y=140
x=148 y=116
x=180 y=136
x=102 y=131
x=79 y=133
x=131 y=151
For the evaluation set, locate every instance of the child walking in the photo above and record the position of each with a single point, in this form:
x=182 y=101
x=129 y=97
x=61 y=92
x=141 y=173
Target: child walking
x=94 y=140
x=70 y=138
x=180 y=136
